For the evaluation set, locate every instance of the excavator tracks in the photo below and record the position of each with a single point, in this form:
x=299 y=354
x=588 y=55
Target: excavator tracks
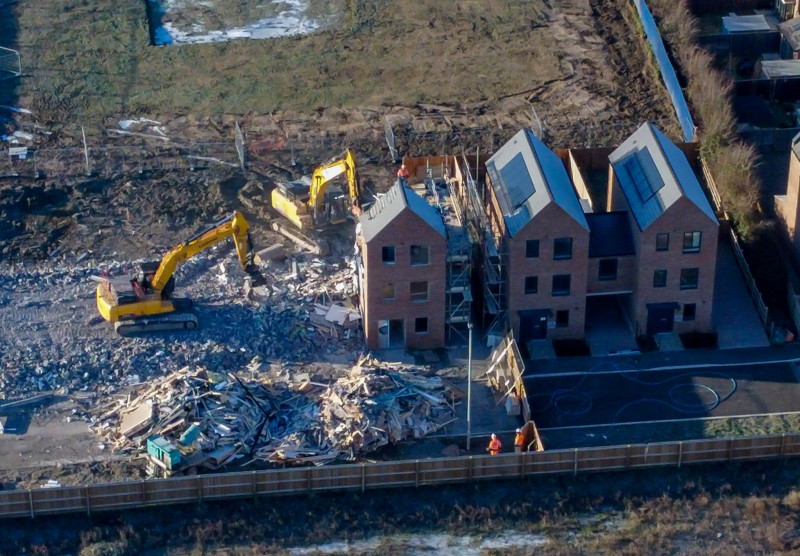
x=156 y=323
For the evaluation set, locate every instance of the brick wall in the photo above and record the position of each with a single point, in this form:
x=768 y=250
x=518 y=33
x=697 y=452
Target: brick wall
x=551 y=223
x=402 y=232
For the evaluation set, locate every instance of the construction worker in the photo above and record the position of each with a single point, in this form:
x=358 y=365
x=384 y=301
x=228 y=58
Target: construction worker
x=519 y=441
x=494 y=445
x=402 y=174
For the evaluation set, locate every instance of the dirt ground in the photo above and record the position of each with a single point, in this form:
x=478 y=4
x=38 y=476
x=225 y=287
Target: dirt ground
x=592 y=83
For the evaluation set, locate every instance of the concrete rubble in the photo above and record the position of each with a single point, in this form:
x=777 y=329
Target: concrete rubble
x=271 y=414
x=54 y=341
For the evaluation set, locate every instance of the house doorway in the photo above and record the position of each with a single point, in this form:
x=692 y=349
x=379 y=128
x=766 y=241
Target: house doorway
x=533 y=325
x=660 y=317
x=391 y=333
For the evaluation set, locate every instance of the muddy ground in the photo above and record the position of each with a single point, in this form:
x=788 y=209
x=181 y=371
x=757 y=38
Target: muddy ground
x=592 y=83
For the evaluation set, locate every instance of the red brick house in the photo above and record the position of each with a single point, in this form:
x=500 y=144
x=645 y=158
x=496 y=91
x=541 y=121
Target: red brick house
x=402 y=248
x=535 y=265
x=674 y=232
x=654 y=249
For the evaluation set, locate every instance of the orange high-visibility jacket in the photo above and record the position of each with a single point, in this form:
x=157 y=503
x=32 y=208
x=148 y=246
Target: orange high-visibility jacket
x=519 y=440
x=402 y=173
x=494 y=446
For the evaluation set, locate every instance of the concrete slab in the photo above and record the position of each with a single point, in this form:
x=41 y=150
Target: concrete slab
x=668 y=342
x=607 y=329
x=541 y=349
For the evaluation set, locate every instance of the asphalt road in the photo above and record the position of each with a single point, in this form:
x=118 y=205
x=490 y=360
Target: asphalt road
x=612 y=396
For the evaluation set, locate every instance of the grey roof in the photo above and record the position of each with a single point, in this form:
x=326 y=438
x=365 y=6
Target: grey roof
x=790 y=29
x=610 y=234
x=526 y=177
x=390 y=205
x=777 y=69
x=653 y=174
x=745 y=23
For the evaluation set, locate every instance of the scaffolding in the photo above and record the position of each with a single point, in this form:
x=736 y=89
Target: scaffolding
x=494 y=276
x=443 y=187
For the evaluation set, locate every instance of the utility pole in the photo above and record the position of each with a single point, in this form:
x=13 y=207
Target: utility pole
x=469 y=385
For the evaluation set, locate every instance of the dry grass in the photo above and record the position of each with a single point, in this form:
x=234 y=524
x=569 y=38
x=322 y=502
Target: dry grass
x=709 y=91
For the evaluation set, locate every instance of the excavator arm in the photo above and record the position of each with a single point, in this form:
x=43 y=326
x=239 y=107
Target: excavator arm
x=324 y=174
x=232 y=225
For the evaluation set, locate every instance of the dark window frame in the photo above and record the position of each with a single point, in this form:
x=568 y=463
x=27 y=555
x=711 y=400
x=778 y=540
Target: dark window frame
x=607 y=276
x=687 y=283
x=531 y=285
x=689 y=314
x=689 y=244
x=558 y=252
x=421 y=249
x=562 y=322
x=417 y=322
x=385 y=251
x=532 y=249
x=660 y=273
x=659 y=237
x=561 y=291
x=417 y=297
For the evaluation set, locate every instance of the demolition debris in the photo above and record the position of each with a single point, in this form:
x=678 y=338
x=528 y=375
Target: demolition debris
x=196 y=417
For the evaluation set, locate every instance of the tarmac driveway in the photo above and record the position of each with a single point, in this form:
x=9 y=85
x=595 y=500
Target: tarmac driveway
x=614 y=396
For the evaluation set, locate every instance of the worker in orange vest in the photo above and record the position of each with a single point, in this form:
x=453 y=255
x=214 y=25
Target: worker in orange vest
x=402 y=174
x=519 y=441
x=494 y=445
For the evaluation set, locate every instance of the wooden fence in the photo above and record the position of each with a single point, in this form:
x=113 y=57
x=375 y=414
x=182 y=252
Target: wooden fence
x=412 y=473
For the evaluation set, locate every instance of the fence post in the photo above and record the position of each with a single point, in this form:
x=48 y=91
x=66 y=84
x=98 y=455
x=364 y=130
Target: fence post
x=199 y=489
x=470 y=468
x=30 y=500
x=680 y=453
x=783 y=445
x=254 y=480
x=522 y=465
x=575 y=464
x=88 y=501
x=416 y=473
x=363 y=477
x=730 y=448
x=309 y=479
x=628 y=456
x=144 y=493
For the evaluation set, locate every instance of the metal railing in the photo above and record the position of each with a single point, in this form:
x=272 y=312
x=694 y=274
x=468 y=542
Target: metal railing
x=410 y=473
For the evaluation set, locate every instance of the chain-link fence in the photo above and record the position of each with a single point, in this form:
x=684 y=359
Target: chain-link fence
x=10 y=64
x=104 y=161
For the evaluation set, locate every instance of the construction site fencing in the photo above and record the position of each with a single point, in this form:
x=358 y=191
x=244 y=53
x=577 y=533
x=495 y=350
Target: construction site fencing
x=409 y=473
x=667 y=71
x=110 y=161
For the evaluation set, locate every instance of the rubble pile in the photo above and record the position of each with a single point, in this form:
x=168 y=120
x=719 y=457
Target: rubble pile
x=53 y=339
x=276 y=416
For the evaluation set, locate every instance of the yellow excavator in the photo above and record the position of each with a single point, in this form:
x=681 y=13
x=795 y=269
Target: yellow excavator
x=311 y=203
x=144 y=302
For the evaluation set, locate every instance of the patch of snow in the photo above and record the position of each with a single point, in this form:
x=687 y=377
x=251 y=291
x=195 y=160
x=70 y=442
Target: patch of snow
x=287 y=22
x=419 y=545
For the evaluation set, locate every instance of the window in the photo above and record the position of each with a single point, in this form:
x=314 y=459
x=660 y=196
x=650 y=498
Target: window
x=419 y=292
x=387 y=254
x=659 y=278
x=562 y=248
x=689 y=278
x=608 y=269
x=691 y=242
x=561 y=284
x=532 y=248
x=689 y=311
x=662 y=242
x=421 y=325
x=419 y=255
x=562 y=319
x=387 y=292
x=531 y=284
